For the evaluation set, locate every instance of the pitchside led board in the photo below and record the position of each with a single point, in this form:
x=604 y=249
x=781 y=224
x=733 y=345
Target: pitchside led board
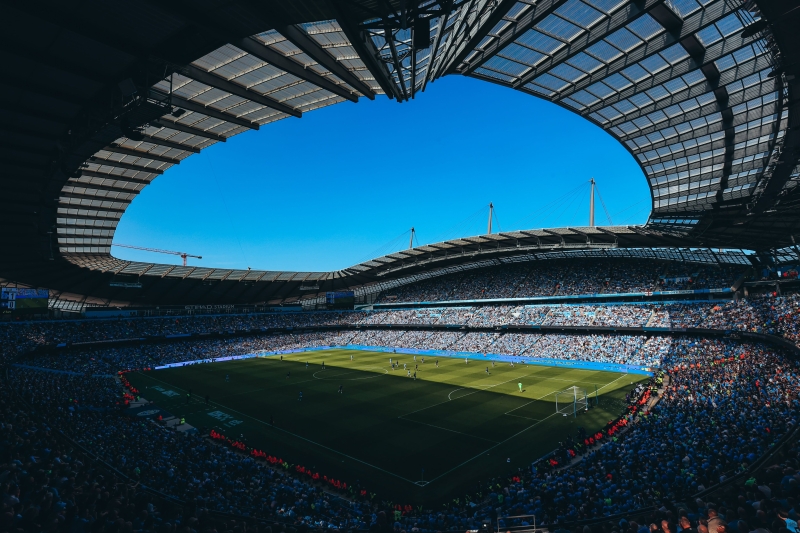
x=23 y=301
x=340 y=299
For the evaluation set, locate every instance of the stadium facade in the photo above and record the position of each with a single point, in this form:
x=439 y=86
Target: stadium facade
x=100 y=98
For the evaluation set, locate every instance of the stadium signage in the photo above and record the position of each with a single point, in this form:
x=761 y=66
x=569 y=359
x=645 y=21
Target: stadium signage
x=215 y=306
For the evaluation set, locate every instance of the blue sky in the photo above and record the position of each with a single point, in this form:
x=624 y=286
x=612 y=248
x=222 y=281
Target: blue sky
x=345 y=183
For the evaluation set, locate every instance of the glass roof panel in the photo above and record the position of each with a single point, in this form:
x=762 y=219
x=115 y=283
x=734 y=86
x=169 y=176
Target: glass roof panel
x=685 y=7
x=606 y=6
x=600 y=90
x=624 y=40
x=618 y=82
x=579 y=13
x=506 y=66
x=540 y=42
x=521 y=54
x=585 y=62
x=635 y=73
x=645 y=27
x=604 y=51
x=567 y=72
x=559 y=28
x=551 y=82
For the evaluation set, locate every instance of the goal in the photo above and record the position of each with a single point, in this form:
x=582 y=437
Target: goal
x=572 y=400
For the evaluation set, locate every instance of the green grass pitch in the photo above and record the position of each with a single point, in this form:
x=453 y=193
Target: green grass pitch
x=412 y=441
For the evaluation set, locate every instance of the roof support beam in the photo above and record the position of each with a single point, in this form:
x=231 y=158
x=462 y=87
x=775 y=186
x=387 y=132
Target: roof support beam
x=208 y=111
x=169 y=144
x=103 y=175
x=177 y=126
x=766 y=109
x=620 y=18
x=212 y=80
x=67 y=205
x=431 y=73
x=767 y=195
x=67 y=195
x=365 y=49
x=740 y=71
x=530 y=19
x=138 y=153
x=118 y=164
x=398 y=67
x=103 y=187
x=265 y=53
x=680 y=32
x=480 y=31
x=310 y=47
x=689 y=64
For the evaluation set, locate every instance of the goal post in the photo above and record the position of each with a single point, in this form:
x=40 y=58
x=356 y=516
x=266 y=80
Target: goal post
x=571 y=400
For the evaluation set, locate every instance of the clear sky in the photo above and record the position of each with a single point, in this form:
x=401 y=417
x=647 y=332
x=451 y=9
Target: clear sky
x=345 y=183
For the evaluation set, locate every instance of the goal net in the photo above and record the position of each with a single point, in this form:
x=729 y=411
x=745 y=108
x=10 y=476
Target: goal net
x=571 y=401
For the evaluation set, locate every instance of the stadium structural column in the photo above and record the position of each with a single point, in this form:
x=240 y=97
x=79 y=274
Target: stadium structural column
x=591 y=204
x=491 y=212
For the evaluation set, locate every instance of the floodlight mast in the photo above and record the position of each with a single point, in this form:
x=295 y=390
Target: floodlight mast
x=183 y=255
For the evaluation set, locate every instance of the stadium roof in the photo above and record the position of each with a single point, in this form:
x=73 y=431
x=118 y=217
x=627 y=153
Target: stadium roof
x=100 y=98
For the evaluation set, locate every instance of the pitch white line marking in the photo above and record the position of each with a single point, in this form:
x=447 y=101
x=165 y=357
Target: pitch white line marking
x=515 y=435
x=450 y=430
x=449 y=396
x=464 y=396
x=300 y=437
x=526 y=417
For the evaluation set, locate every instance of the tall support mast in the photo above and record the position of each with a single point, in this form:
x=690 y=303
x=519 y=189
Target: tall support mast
x=411 y=239
x=591 y=205
x=491 y=212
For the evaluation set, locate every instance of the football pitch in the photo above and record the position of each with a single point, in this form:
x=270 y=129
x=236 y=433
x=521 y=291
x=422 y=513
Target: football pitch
x=413 y=441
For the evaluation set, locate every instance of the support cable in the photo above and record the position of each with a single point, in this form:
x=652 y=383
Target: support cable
x=548 y=207
x=596 y=188
x=386 y=248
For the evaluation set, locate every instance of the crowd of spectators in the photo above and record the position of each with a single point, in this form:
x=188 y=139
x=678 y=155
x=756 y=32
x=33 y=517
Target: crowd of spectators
x=66 y=496
x=566 y=277
x=723 y=405
x=768 y=313
x=606 y=348
x=771 y=314
x=619 y=349
x=20 y=337
x=70 y=460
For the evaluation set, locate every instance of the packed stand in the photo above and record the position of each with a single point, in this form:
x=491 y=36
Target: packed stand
x=21 y=337
x=566 y=277
x=723 y=406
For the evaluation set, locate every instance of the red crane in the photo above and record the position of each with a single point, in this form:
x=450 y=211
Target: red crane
x=183 y=255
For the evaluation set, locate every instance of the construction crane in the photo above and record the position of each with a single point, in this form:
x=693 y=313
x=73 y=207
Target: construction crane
x=183 y=255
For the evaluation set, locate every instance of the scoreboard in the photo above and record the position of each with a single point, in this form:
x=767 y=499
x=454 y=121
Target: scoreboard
x=340 y=299
x=23 y=301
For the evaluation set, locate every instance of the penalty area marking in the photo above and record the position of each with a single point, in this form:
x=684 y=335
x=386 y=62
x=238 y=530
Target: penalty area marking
x=450 y=396
x=447 y=429
x=468 y=394
x=515 y=435
x=525 y=417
